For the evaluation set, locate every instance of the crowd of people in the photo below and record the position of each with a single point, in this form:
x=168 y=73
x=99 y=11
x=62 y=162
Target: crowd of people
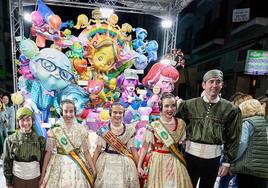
x=7 y=119
x=194 y=140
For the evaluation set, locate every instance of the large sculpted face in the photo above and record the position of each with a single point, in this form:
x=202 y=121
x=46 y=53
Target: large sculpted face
x=52 y=68
x=104 y=59
x=131 y=86
x=166 y=84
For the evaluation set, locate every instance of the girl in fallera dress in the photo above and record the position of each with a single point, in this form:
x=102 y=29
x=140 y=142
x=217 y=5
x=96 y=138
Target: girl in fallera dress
x=166 y=167
x=71 y=164
x=115 y=160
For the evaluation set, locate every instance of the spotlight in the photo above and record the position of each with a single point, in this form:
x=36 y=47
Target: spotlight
x=166 y=23
x=106 y=12
x=27 y=17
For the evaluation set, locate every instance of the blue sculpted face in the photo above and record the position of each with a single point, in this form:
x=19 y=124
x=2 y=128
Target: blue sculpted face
x=142 y=35
x=152 y=45
x=140 y=62
x=76 y=94
x=52 y=68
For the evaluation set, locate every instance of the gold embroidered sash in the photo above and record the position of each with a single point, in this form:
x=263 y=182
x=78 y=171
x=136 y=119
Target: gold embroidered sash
x=114 y=142
x=167 y=140
x=73 y=153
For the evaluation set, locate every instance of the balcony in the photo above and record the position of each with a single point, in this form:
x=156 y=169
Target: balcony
x=254 y=24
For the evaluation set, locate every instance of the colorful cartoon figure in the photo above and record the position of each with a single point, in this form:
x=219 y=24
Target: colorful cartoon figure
x=103 y=58
x=160 y=78
x=52 y=71
x=139 y=43
x=129 y=80
x=151 y=50
x=82 y=21
x=96 y=93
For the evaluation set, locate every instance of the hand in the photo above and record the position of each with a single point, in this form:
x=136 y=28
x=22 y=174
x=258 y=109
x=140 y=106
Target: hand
x=141 y=172
x=223 y=170
x=94 y=172
x=38 y=112
x=178 y=101
x=41 y=181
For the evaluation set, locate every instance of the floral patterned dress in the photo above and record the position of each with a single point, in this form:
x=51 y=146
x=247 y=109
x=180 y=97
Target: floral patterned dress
x=115 y=170
x=166 y=171
x=62 y=171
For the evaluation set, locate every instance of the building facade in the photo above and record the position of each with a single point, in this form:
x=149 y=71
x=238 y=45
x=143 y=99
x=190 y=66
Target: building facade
x=211 y=39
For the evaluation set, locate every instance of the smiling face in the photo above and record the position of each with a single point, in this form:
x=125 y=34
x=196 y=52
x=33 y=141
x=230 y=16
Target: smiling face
x=68 y=113
x=130 y=86
x=104 y=59
x=5 y=99
x=52 y=68
x=212 y=87
x=117 y=114
x=168 y=107
x=26 y=124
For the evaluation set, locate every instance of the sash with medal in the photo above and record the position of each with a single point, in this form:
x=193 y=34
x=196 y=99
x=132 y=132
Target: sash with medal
x=113 y=141
x=167 y=140
x=73 y=153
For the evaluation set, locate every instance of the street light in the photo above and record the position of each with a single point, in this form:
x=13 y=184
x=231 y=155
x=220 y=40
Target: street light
x=166 y=23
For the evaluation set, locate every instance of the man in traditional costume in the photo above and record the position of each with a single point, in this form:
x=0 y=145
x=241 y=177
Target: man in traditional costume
x=211 y=122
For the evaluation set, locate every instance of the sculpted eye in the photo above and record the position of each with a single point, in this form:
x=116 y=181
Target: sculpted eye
x=90 y=90
x=97 y=88
x=100 y=58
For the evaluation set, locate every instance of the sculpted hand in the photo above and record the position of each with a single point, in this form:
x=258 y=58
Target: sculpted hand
x=155 y=98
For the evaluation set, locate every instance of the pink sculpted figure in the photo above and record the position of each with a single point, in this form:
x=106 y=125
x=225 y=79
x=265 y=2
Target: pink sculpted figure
x=160 y=78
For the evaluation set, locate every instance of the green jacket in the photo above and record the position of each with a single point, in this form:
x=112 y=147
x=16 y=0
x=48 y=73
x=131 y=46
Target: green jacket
x=22 y=147
x=212 y=123
x=254 y=160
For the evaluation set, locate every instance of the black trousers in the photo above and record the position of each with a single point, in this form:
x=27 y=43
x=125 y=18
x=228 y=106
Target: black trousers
x=205 y=169
x=244 y=181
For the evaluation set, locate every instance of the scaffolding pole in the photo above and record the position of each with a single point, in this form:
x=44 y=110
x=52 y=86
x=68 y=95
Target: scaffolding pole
x=17 y=33
x=170 y=37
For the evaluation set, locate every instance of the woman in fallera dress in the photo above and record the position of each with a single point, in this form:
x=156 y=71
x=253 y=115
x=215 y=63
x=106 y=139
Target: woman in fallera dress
x=116 y=155
x=71 y=164
x=166 y=166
